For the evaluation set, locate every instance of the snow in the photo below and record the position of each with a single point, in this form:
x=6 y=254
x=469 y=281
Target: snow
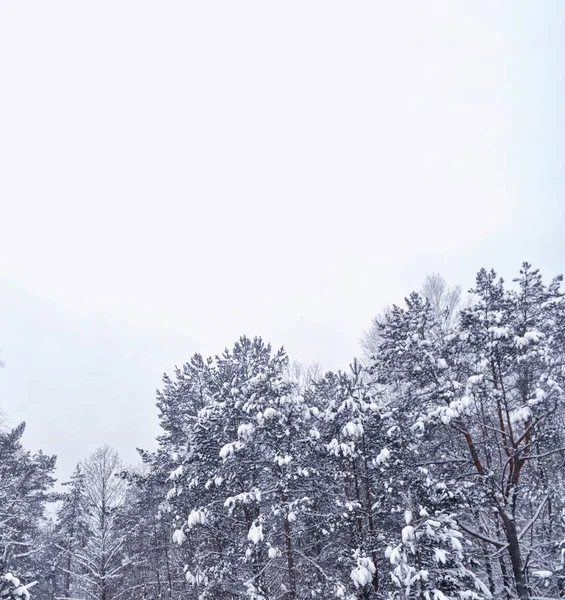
x=283 y=460
x=255 y=533
x=179 y=537
x=521 y=415
x=363 y=573
x=270 y=413
x=393 y=554
x=534 y=336
x=18 y=590
x=12 y=579
x=542 y=574
x=353 y=430
x=418 y=427
x=455 y=543
x=245 y=431
x=335 y=448
x=383 y=456
x=540 y=395
x=438 y=595
x=177 y=473
x=196 y=517
x=499 y=333
x=228 y=450
x=197 y=578
x=407 y=534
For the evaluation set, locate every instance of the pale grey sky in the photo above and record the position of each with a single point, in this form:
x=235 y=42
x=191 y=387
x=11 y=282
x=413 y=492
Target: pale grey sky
x=175 y=174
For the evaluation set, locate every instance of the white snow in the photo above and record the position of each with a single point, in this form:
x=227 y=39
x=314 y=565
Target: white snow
x=176 y=473
x=196 y=517
x=198 y=578
x=407 y=534
x=255 y=533
x=542 y=574
x=393 y=554
x=521 y=415
x=245 y=431
x=353 y=430
x=363 y=573
x=499 y=333
x=270 y=413
x=440 y=555
x=383 y=456
x=229 y=450
x=179 y=537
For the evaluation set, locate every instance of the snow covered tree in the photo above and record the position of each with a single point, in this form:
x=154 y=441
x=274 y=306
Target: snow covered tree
x=97 y=564
x=152 y=570
x=25 y=487
x=445 y=303
x=245 y=486
x=220 y=496
x=484 y=392
x=352 y=437
x=71 y=530
x=429 y=561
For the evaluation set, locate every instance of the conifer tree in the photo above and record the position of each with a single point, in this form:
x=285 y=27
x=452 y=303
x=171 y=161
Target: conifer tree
x=25 y=487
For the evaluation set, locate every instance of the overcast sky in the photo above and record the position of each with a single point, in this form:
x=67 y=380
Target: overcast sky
x=175 y=174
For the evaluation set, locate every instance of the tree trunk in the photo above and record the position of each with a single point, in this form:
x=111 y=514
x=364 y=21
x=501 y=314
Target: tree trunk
x=516 y=558
x=369 y=511
x=291 y=594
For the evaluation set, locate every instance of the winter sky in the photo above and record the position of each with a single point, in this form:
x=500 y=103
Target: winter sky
x=175 y=174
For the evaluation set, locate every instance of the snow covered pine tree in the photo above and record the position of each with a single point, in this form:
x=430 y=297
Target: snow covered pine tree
x=488 y=395
x=25 y=483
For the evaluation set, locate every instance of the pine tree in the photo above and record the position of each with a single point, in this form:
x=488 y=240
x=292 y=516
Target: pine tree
x=71 y=531
x=482 y=393
x=429 y=560
x=352 y=437
x=25 y=487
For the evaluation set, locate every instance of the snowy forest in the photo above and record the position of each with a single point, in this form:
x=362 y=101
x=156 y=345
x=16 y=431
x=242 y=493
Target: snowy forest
x=431 y=467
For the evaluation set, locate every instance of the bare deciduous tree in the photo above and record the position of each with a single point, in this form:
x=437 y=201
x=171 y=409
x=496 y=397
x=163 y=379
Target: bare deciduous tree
x=98 y=564
x=305 y=375
x=444 y=300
